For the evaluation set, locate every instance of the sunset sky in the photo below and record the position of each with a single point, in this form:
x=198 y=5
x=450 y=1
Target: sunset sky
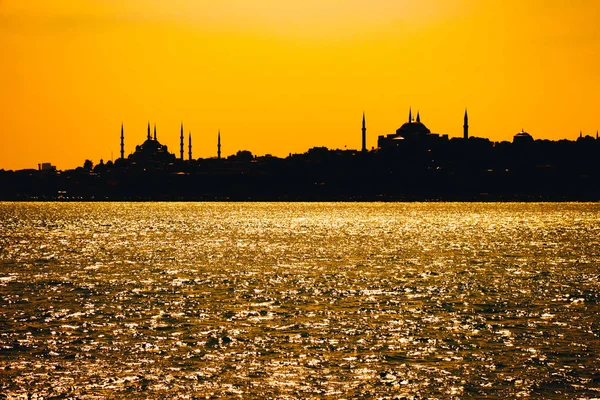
x=281 y=76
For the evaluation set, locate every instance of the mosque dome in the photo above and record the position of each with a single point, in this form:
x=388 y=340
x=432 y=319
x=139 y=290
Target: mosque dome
x=152 y=151
x=151 y=146
x=412 y=129
x=523 y=137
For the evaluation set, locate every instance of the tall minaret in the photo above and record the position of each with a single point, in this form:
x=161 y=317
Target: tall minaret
x=148 y=130
x=154 y=131
x=466 y=126
x=596 y=135
x=418 y=116
x=181 y=143
x=190 y=146
x=122 y=141
x=410 y=115
x=219 y=145
x=364 y=133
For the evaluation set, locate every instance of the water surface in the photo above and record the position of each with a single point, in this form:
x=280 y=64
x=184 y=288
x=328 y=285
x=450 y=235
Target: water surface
x=276 y=300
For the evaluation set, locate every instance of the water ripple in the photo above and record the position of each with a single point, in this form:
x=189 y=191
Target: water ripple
x=103 y=300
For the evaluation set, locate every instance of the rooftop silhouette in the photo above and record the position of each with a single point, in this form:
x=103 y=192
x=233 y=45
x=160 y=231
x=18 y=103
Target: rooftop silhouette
x=412 y=163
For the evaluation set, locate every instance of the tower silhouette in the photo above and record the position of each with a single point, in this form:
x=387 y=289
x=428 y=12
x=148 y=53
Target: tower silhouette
x=219 y=145
x=122 y=142
x=148 y=130
x=364 y=133
x=190 y=146
x=155 y=132
x=466 y=126
x=418 y=117
x=409 y=115
x=181 y=143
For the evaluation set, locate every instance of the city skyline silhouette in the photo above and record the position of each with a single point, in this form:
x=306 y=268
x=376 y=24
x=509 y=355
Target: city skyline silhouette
x=412 y=126
x=412 y=163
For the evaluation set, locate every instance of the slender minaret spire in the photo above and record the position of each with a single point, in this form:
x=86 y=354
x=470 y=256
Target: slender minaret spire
x=410 y=115
x=154 y=131
x=596 y=134
x=418 y=116
x=219 y=145
x=148 y=130
x=466 y=126
x=122 y=141
x=190 y=146
x=364 y=133
x=181 y=143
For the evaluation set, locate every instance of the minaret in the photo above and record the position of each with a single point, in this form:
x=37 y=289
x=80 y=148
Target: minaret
x=122 y=142
x=190 y=146
x=596 y=135
x=410 y=115
x=580 y=134
x=155 y=132
x=466 y=126
x=418 y=116
x=364 y=133
x=181 y=143
x=219 y=145
x=148 y=130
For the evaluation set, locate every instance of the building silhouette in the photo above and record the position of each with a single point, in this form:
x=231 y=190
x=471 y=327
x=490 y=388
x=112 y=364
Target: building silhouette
x=523 y=138
x=411 y=132
x=151 y=151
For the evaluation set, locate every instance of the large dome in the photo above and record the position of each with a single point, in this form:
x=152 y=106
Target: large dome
x=152 y=151
x=151 y=146
x=413 y=128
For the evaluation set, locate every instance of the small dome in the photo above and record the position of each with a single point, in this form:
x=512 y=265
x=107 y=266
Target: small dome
x=523 y=137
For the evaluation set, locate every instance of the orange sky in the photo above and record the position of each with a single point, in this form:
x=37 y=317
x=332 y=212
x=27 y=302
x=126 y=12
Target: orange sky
x=283 y=76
